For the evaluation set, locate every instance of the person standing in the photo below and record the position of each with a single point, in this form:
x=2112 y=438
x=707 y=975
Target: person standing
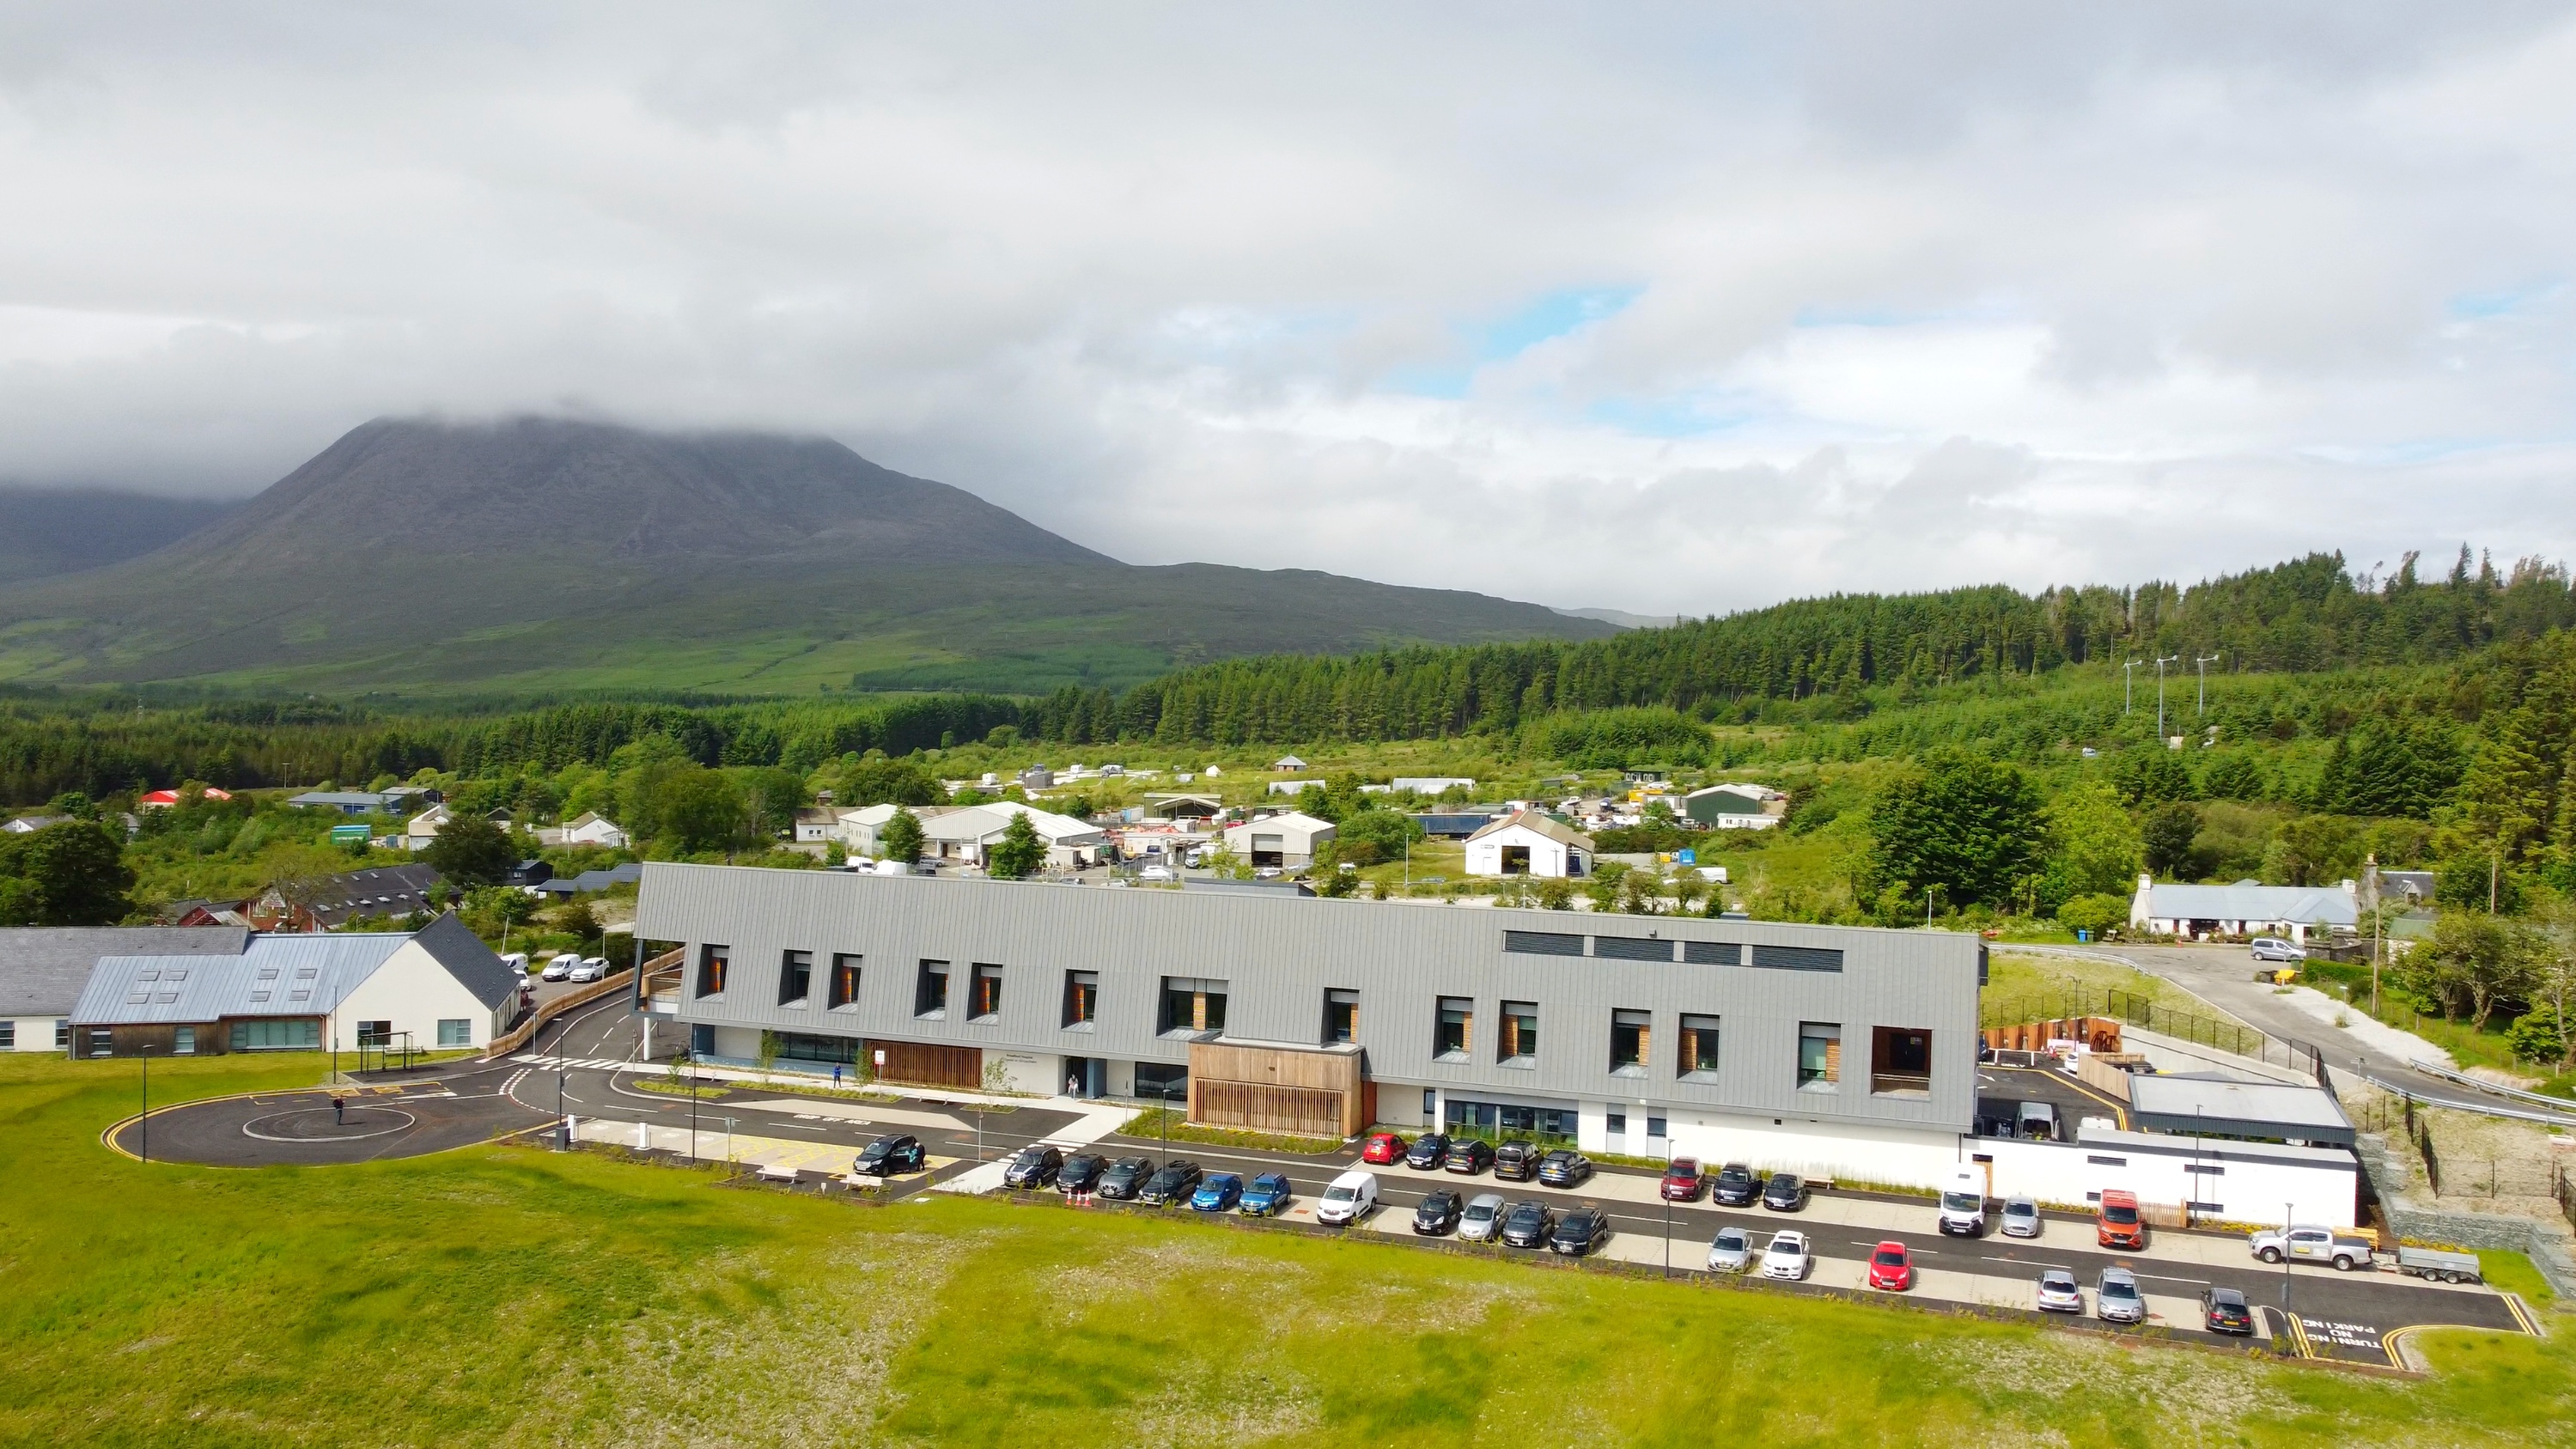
x=339 y=1117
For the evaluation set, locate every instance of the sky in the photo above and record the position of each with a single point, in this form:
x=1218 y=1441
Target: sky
x=1678 y=309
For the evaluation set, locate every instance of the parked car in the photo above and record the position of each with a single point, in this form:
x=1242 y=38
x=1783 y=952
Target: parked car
x=1786 y=1192
x=1786 y=1257
x=1155 y=873
x=1172 y=1184
x=1890 y=1267
x=1383 y=1149
x=1517 y=1161
x=1469 y=1156
x=2346 y=1251
x=1527 y=1225
x=2021 y=1217
x=2059 y=1293
x=2224 y=1310
x=1121 y=1179
x=1081 y=1172
x=559 y=968
x=1564 y=1167
x=1579 y=1232
x=1682 y=1181
x=1348 y=1199
x=2116 y=1298
x=1437 y=1215
x=888 y=1155
x=1034 y=1167
x=1730 y=1250
x=1481 y=1219
x=1963 y=1206
x=2273 y=948
x=589 y=968
x=1734 y=1186
x=1428 y=1152
x=1218 y=1193
x=2116 y=1223
x=1266 y=1196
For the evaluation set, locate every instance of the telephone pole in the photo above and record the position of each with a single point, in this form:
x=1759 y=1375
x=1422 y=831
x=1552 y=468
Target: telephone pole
x=2161 y=661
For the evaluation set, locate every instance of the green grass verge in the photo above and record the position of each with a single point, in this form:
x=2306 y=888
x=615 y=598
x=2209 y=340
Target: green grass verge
x=2013 y=981
x=510 y=1296
x=1160 y=1122
x=2514 y=1273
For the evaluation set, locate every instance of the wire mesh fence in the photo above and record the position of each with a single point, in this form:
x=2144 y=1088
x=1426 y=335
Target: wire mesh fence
x=2234 y=1038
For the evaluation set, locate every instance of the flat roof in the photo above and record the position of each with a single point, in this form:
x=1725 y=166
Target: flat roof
x=2228 y=1107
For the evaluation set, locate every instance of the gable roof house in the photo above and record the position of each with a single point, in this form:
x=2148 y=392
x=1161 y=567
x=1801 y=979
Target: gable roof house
x=30 y=824
x=815 y=824
x=164 y=799
x=2242 y=909
x=1529 y=843
x=1286 y=840
x=334 y=901
x=966 y=835
x=347 y=802
x=588 y=828
x=43 y=968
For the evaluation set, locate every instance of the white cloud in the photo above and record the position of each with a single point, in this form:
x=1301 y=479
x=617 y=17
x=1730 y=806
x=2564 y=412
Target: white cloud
x=1905 y=298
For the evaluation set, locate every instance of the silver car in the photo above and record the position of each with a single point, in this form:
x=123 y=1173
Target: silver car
x=1730 y=1251
x=1481 y=1218
x=2116 y=1297
x=2021 y=1217
x=2059 y=1293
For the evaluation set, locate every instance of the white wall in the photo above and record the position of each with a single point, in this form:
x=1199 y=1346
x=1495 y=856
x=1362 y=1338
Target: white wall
x=1546 y=857
x=35 y=1034
x=1028 y=1071
x=2317 y=1184
x=413 y=992
x=1810 y=1148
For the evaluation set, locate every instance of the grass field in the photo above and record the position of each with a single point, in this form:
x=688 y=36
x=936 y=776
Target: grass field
x=509 y=1296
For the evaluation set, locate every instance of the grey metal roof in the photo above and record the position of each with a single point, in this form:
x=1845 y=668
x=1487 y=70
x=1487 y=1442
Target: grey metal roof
x=2231 y=1107
x=269 y=978
x=385 y=890
x=43 y=968
x=593 y=880
x=477 y=966
x=367 y=799
x=2303 y=905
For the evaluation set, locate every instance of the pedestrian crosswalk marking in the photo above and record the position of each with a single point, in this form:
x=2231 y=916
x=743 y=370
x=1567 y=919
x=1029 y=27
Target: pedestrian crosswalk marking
x=586 y=1064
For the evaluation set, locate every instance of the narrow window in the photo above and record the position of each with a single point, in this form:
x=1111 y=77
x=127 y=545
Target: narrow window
x=1192 y=1005
x=1900 y=1061
x=183 y=1041
x=62 y=1033
x=455 y=1031
x=9 y=1036
x=1631 y=1042
x=930 y=993
x=1699 y=1047
x=1081 y=999
x=712 y=961
x=844 y=991
x=795 y=977
x=1519 y=1046
x=1341 y=1017
x=1457 y=1028
x=102 y=1042
x=987 y=1002
x=1820 y=1056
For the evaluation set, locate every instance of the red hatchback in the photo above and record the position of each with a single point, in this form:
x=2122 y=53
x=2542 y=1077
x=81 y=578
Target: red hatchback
x=1682 y=1181
x=1890 y=1267
x=1383 y=1150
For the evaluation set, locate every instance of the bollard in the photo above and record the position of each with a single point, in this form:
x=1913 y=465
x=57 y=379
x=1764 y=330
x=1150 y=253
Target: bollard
x=643 y=1137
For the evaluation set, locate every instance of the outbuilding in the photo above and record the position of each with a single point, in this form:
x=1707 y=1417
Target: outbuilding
x=1286 y=840
x=1735 y=806
x=1529 y=843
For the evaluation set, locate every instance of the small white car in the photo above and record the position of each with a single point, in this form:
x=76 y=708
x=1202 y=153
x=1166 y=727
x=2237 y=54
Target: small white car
x=1348 y=1199
x=1155 y=872
x=1730 y=1251
x=1482 y=1218
x=1786 y=1257
x=2273 y=948
x=559 y=968
x=2021 y=1217
x=2059 y=1292
x=590 y=968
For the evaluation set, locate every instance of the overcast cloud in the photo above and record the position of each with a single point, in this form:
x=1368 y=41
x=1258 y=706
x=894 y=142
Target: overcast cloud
x=1682 y=310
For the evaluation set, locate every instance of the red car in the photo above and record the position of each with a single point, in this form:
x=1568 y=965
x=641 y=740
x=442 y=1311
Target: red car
x=1890 y=1268
x=1383 y=1150
x=1682 y=1181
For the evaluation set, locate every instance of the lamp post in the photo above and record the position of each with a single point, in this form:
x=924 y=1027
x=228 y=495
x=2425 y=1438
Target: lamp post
x=2202 y=662
x=145 y=1052
x=2286 y=1211
x=689 y=1082
x=2161 y=661
x=2125 y=691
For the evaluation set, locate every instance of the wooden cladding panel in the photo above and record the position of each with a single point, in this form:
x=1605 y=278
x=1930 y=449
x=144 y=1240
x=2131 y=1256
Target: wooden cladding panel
x=928 y=1065
x=1269 y=1088
x=1275 y=1066
x=1306 y=1111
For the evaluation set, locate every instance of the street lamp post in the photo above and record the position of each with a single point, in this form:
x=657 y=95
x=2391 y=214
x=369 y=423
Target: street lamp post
x=2126 y=693
x=145 y=1052
x=2202 y=663
x=2161 y=661
x=2287 y=1210
x=689 y=1082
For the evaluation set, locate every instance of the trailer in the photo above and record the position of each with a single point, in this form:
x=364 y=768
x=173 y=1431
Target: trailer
x=2440 y=1263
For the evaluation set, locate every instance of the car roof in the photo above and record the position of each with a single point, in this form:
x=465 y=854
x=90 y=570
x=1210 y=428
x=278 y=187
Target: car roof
x=1789 y=1237
x=1354 y=1178
x=1483 y=1198
x=2226 y=1295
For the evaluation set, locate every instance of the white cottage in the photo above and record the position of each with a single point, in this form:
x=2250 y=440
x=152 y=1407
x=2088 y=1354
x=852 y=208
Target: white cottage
x=1529 y=844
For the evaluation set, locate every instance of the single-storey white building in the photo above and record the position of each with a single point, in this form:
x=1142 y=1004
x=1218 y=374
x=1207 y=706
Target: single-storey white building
x=815 y=824
x=1529 y=844
x=44 y=968
x=1294 y=787
x=1288 y=762
x=591 y=828
x=2242 y=909
x=966 y=835
x=1286 y=840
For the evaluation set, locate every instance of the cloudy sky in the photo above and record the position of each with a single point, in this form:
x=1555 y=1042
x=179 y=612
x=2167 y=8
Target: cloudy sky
x=1691 y=310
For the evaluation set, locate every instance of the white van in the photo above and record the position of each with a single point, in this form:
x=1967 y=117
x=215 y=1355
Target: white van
x=517 y=961
x=1348 y=1200
x=1963 y=1205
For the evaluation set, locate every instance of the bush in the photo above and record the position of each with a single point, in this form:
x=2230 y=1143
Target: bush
x=2094 y=913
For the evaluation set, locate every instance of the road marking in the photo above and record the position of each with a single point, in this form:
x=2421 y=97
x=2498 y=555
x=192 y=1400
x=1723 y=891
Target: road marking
x=2522 y=1315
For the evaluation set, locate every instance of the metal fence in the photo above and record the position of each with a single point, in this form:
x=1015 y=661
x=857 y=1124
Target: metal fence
x=2564 y=1189
x=2145 y=1012
x=2419 y=1130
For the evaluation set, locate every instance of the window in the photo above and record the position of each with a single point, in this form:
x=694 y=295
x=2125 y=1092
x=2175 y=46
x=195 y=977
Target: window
x=930 y=991
x=62 y=1034
x=1629 y=948
x=987 y=1002
x=1542 y=943
x=374 y=1034
x=1820 y=1056
x=1631 y=1042
x=102 y=1042
x=1430 y=1104
x=795 y=977
x=2205 y=1169
x=1341 y=1016
x=1616 y=1124
x=1081 y=1000
x=455 y=1031
x=1698 y=1060
x=1519 y=1045
x=1797 y=958
x=799 y=1046
x=179 y=975
x=277 y=1036
x=1655 y=1128
x=8 y=1036
x=183 y=1041
x=1456 y=1028
x=1900 y=1061
x=1713 y=953
x=845 y=981
x=2098 y=1161
x=712 y=961
x=1192 y=1005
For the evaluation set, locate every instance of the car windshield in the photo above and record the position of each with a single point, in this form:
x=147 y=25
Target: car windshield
x=1339 y=1193
x=2020 y=1210
x=1960 y=1202
x=1886 y=1259
x=1734 y=1174
x=2057 y=1281
x=2115 y=1288
x=1731 y=1238
x=1478 y=1212
x=2121 y=1215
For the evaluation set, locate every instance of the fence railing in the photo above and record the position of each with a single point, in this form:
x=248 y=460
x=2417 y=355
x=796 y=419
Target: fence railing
x=2234 y=1038
x=2419 y=1130
x=518 y=1036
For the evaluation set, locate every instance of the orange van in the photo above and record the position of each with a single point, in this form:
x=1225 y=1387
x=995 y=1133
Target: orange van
x=2116 y=1223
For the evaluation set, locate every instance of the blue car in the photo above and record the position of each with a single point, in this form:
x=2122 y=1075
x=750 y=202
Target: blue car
x=1267 y=1196
x=1217 y=1194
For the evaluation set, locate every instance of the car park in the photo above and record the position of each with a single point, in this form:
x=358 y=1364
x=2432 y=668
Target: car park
x=1579 y=1232
x=1891 y=1267
x=1081 y=1172
x=2273 y=948
x=2224 y=1310
x=2116 y=1298
x=1348 y=1199
x=1564 y=1167
x=1682 y=1181
x=1481 y=1218
x=1527 y=1224
x=2116 y=1222
x=1437 y=1215
x=1428 y=1153
x=2059 y=1292
x=2021 y=1217
x=889 y=1155
x=1120 y=1181
x=1266 y=1195
x=1174 y=1183
x=1517 y=1161
x=1218 y=1193
x=1730 y=1251
x=1035 y=1166
x=1469 y=1156
x=1383 y=1149
x=1786 y=1257
x=1786 y=1192
x=1735 y=1185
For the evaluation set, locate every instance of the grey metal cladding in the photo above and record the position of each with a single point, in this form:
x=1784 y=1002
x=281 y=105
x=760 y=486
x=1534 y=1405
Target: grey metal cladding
x=1280 y=955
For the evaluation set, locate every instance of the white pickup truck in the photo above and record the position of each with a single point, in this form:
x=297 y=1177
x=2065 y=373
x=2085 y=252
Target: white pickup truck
x=2346 y=1251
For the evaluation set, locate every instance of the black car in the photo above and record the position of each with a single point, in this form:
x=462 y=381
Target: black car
x=1517 y=1161
x=1469 y=1157
x=1428 y=1152
x=888 y=1155
x=1035 y=1167
x=1564 y=1167
x=1527 y=1225
x=1579 y=1232
x=1786 y=1192
x=1178 y=1179
x=1120 y=1180
x=1734 y=1186
x=1081 y=1172
x=2224 y=1311
x=1438 y=1215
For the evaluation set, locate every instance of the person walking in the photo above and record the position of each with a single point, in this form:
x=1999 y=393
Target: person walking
x=339 y=1117
x=836 y=1076
x=1072 y=1085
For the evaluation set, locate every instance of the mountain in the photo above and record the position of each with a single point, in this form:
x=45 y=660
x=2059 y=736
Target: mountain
x=540 y=554
x=64 y=530
x=1623 y=618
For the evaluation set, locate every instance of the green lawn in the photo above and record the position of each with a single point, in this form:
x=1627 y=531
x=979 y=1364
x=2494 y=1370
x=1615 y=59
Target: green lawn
x=509 y=1296
x=2016 y=980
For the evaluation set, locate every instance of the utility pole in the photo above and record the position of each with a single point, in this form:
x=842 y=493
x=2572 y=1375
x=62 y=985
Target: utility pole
x=2161 y=661
x=2126 y=694
x=2287 y=1336
x=2202 y=662
x=145 y=1052
x=2370 y=885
